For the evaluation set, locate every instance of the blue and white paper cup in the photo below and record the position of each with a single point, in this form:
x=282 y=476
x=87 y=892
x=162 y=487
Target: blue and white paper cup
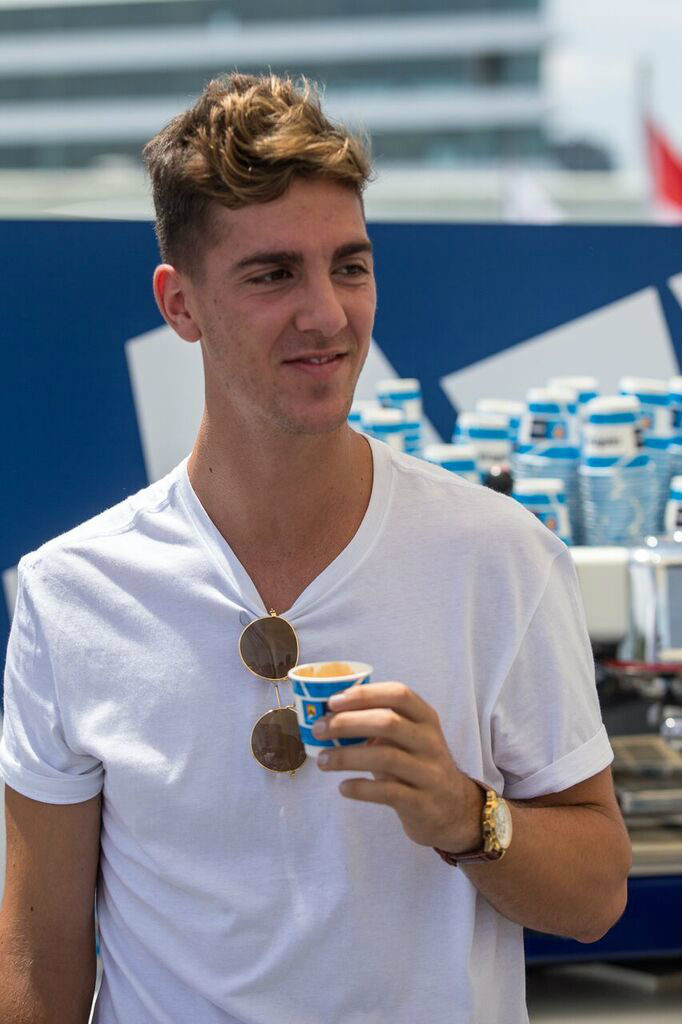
x=616 y=475
x=586 y=388
x=385 y=425
x=457 y=458
x=549 y=445
x=489 y=434
x=546 y=499
x=404 y=393
x=357 y=411
x=654 y=398
x=612 y=428
x=675 y=385
x=314 y=683
x=550 y=425
x=659 y=438
x=504 y=407
x=673 y=508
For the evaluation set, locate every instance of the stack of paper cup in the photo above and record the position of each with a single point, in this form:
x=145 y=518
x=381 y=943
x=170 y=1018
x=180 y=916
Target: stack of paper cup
x=549 y=445
x=405 y=393
x=616 y=474
x=586 y=388
x=488 y=433
x=504 y=407
x=458 y=458
x=386 y=425
x=546 y=499
x=673 y=509
x=657 y=427
x=675 y=385
x=358 y=409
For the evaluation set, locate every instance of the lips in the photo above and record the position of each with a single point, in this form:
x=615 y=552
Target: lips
x=325 y=356
x=318 y=370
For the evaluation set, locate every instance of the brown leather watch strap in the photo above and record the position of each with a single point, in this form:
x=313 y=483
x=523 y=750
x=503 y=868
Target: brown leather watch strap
x=464 y=858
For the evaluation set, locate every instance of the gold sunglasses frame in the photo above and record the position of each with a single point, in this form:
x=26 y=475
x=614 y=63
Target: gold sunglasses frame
x=280 y=707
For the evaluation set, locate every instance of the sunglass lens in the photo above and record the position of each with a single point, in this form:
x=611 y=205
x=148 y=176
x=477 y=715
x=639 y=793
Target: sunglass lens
x=276 y=741
x=269 y=647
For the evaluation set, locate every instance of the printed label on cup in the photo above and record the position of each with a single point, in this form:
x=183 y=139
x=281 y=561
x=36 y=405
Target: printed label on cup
x=313 y=685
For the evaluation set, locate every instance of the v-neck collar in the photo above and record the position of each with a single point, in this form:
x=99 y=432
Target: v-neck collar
x=352 y=555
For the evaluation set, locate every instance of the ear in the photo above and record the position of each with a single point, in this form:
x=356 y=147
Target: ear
x=171 y=293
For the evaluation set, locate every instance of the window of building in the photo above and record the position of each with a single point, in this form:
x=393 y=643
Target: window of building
x=361 y=76
x=195 y=12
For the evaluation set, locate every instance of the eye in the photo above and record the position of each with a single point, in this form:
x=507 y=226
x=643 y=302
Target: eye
x=270 y=276
x=353 y=270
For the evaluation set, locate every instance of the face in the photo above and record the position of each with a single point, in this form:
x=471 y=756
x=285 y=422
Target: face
x=287 y=281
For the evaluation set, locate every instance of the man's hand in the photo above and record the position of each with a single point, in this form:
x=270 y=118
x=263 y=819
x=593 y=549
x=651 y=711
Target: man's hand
x=566 y=870
x=407 y=754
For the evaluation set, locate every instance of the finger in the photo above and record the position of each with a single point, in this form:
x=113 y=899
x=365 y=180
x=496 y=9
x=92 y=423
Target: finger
x=374 y=741
x=383 y=760
x=393 y=794
x=393 y=695
x=380 y=723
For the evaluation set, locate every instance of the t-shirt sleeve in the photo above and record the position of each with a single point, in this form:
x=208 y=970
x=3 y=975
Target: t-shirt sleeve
x=35 y=756
x=546 y=724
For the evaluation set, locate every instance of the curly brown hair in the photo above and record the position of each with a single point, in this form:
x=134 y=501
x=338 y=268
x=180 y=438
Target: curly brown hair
x=244 y=141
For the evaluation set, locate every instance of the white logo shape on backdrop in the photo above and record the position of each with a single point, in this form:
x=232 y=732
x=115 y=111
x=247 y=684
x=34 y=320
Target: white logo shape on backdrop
x=675 y=285
x=629 y=336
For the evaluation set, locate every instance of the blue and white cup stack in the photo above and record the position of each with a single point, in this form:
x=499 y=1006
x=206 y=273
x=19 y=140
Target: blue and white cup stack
x=405 y=393
x=657 y=427
x=586 y=388
x=458 y=458
x=546 y=499
x=358 y=409
x=488 y=434
x=675 y=385
x=673 y=509
x=616 y=473
x=549 y=445
x=504 y=407
x=386 y=425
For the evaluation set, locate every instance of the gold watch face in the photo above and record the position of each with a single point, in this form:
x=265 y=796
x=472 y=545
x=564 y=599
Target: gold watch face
x=503 y=825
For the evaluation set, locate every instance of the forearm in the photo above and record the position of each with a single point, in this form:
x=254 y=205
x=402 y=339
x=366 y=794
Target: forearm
x=564 y=873
x=34 y=990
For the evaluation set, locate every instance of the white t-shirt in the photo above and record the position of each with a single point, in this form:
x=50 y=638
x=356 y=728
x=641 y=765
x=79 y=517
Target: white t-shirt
x=231 y=895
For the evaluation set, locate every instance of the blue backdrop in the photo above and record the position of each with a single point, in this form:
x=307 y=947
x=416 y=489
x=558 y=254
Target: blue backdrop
x=74 y=291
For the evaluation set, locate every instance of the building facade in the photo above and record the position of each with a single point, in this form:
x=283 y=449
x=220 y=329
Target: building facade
x=437 y=83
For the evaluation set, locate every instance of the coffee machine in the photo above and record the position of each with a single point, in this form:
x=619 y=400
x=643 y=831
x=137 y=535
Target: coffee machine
x=633 y=606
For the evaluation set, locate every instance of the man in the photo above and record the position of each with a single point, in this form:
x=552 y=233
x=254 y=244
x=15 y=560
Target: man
x=226 y=892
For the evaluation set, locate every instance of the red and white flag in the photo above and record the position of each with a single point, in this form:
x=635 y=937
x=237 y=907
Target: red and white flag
x=665 y=168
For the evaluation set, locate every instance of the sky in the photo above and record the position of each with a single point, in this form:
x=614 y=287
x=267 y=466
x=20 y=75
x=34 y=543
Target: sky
x=591 y=71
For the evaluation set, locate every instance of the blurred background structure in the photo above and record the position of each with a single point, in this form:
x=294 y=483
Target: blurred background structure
x=471 y=104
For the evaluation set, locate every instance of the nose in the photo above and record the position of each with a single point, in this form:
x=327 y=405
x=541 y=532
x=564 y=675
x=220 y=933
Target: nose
x=319 y=308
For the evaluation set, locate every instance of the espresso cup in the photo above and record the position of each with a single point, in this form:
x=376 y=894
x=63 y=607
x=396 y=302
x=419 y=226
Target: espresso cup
x=313 y=684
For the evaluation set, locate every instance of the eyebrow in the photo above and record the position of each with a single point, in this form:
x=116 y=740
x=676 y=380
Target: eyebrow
x=288 y=256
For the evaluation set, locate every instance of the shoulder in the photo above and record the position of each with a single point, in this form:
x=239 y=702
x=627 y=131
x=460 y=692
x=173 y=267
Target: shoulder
x=101 y=538
x=466 y=508
x=475 y=529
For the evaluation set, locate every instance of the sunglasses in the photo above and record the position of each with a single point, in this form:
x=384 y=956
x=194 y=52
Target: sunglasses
x=269 y=647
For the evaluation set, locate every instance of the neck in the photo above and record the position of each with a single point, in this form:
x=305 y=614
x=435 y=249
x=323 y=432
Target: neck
x=274 y=494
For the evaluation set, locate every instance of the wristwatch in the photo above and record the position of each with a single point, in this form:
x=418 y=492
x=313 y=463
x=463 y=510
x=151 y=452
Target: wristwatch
x=496 y=826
